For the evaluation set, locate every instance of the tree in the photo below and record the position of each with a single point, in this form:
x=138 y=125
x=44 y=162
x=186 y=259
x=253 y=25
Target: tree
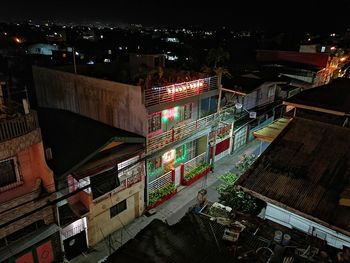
x=217 y=56
x=234 y=198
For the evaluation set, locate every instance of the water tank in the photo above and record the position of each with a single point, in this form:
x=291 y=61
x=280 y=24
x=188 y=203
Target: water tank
x=278 y=236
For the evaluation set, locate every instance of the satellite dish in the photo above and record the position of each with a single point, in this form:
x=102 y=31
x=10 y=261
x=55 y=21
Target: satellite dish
x=238 y=106
x=252 y=114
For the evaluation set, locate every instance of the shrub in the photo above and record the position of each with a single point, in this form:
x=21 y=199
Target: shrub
x=194 y=172
x=160 y=192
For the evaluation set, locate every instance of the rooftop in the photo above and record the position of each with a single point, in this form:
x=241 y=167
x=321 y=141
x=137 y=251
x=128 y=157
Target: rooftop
x=313 y=59
x=305 y=169
x=75 y=139
x=240 y=83
x=186 y=241
x=334 y=96
x=123 y=73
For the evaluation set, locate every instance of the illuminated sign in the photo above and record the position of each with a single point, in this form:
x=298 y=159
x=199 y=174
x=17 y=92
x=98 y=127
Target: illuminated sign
x=188 y=86
x=170 y=114
x=168 y=156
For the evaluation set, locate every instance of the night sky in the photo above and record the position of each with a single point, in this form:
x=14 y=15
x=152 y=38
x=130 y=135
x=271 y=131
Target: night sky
x=283 y=14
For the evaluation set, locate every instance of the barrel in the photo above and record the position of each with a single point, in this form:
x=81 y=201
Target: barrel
x=286 y=239
x=278 y=236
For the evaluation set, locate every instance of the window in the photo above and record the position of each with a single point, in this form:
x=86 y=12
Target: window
x=271 y=92
x=209 y=106
x=118 y=208
x=180 y=154
x=104 y=182
x=156 y=163
x=191 y=149
x=187 y=111
x=154 y=168
x=154 y=122
x=8 y=172
x=180 y=151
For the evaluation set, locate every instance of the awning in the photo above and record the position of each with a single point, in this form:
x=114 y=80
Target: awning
x=271 y=131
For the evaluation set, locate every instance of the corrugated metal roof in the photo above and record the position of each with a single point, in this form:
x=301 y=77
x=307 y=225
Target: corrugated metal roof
x=305 y=169
x=334 y=96
x=271 y=131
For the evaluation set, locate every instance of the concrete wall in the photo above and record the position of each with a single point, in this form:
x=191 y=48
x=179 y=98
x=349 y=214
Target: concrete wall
x=32 y=167
x=260 y=96
x=47 y=214
x=100 y=224
x=291 y=220
x=110 y=102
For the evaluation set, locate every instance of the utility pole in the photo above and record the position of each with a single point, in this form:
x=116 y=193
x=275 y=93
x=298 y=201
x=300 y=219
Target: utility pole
x=74 y=63
x=221 y=89
x=218 y=121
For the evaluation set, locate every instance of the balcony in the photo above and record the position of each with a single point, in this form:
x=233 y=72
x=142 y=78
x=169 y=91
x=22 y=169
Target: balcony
x=12 y=127
x=179 y=133
x=159 y=95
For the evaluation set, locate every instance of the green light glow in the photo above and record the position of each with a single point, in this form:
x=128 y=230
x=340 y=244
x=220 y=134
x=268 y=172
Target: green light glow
x=182 y=158
x=170 y=114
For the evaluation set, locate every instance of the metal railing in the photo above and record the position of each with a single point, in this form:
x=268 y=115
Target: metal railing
x=195 y=162
x=179 y=133
x=178 y=91
x=130 y=177
x=17 y=126
x=176 y=134
x=160 y=182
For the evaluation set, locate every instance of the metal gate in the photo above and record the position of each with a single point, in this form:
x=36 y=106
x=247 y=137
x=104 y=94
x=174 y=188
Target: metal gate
x=74 y=245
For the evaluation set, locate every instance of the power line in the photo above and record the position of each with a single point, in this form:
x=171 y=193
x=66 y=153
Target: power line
x=50 y=203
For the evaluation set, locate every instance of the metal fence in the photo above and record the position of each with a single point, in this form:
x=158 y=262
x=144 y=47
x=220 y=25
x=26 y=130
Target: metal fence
x=160 y=182
x=130 y=176
x=195 y=162
x=158 y=142
x=178 y=91
x=179 y=133
x=17 y=126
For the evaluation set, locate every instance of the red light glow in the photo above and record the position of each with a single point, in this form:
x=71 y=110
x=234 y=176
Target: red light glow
x=185 y=86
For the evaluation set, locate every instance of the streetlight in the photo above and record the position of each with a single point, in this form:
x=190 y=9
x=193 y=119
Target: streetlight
x=74 y=63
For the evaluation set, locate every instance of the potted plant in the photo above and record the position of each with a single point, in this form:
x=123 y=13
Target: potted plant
x=196 y=174
x=162 y=194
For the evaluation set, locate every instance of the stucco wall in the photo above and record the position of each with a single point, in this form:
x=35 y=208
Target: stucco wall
x=291 y=220
x=100 y=224
x=110 y=102
x=259 y=96
x=47 y=214
x=31 y=166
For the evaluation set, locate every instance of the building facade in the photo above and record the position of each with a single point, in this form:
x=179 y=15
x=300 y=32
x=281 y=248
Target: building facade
x=28 y=230
x=100 y=176
x=176 y=119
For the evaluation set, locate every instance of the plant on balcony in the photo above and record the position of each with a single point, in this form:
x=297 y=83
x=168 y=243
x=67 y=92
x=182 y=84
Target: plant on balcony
x=158 y=194
x=197 y=171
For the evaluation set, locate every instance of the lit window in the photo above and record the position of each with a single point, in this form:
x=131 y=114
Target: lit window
x=154 y=122
x=118 y=208
x=187 y=111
